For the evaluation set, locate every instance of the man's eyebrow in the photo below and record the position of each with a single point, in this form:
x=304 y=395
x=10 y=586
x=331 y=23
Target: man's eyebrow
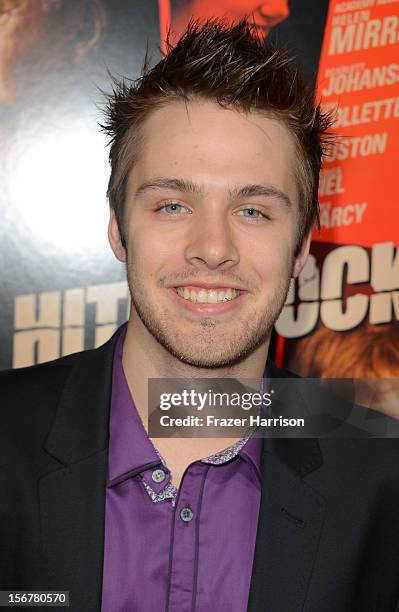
x=174 y=184
x=259 y=191
x=188 y=186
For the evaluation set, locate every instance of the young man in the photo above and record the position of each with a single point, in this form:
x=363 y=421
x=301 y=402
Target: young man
x=215 y=157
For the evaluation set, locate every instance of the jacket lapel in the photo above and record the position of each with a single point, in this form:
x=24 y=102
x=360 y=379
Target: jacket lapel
x=72 y=499
x=72 y=520
x=290 y=520
x=291 y=516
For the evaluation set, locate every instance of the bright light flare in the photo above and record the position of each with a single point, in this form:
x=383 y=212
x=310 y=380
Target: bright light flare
x=58 y=187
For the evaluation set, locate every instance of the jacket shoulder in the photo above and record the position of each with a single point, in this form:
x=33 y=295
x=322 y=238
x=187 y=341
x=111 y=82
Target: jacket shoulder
x=29 y=397
x=36 y=377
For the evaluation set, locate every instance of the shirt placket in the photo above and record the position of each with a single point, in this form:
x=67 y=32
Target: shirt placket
x=183 y=563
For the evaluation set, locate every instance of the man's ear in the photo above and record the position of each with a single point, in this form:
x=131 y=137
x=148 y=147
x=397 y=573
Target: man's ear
x=302 y=256
x=114 y=237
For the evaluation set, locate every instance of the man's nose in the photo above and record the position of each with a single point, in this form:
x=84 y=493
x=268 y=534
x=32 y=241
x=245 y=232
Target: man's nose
x=212 y=242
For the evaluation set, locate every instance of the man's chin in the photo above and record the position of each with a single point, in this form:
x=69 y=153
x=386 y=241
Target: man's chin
x=208 y=362
x=212 y=353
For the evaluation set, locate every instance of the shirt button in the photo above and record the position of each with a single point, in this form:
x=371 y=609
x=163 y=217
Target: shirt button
x=158 y=476
x=186 y=514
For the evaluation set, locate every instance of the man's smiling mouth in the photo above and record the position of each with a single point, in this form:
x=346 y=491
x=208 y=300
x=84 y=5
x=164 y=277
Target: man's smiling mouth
x=207 y=296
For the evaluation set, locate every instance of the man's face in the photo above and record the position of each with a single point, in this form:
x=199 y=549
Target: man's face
x=211 y=222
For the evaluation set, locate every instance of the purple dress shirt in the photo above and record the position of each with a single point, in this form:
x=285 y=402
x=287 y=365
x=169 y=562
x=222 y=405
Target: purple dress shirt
x=169 y=550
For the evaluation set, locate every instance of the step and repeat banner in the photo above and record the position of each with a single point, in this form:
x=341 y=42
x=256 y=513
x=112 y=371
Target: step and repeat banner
x=61 y=288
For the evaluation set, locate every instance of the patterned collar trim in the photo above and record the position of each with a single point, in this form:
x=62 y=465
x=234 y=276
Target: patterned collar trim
x=171 y=492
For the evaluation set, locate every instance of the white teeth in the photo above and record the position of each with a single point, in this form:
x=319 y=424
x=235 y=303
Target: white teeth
x=210 y=296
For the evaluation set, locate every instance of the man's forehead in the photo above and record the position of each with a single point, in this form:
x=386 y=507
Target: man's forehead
x=206 y=124
x=215 y=148
x=208 y=117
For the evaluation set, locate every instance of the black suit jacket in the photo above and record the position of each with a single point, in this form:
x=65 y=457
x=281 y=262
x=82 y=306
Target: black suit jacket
x=328 y=530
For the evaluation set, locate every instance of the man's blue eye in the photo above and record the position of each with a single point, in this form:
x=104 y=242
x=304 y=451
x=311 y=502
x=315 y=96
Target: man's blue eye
x=172 y=208
x=253 y=213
